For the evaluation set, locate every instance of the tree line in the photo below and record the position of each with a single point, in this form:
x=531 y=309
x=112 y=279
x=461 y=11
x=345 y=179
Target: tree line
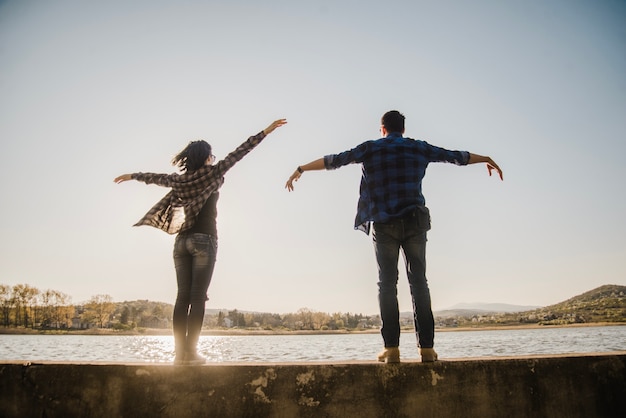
x=302 y=320
x=25 y=306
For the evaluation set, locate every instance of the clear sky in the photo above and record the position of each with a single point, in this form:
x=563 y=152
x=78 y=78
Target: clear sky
x=90 y=90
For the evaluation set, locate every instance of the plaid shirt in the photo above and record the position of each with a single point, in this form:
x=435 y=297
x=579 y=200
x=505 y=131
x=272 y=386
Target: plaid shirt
x=178 y=210
x=393 y=169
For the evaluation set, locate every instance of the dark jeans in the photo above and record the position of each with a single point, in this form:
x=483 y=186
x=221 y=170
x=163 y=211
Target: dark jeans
x=194 y=259
x=409 y=234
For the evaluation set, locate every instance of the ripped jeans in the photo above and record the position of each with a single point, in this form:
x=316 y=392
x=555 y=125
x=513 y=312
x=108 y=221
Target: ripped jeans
x=409 y=234
x=194 y=260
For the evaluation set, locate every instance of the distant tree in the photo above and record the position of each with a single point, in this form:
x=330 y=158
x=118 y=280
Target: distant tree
x=352 y=321
x=99 y=310
x=336 y=321
x=46 y=307
x=17 y=291
x=56 y=310
x=7 y=303
x=124 y=315
x=304 y=316
x=320 y=320
x=237 y=318
x=250 y=319
x=269 y=321
x=157 y=311
x=25 y=298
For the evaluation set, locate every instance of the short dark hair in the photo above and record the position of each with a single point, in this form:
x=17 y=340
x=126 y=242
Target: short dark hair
x=393 y=121
x=193 y=156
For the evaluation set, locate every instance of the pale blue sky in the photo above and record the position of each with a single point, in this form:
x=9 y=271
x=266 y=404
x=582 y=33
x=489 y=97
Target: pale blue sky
x=90 y=90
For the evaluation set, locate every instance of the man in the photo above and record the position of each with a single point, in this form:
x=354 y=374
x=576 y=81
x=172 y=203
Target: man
x=391 y=198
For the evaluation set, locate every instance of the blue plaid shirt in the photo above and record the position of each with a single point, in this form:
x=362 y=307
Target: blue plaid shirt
x=393 y=169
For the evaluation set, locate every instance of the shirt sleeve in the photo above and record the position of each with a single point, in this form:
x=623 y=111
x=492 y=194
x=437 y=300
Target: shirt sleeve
x=441 y=155
x=241 y=151
x=164 y=180
x=355 y=155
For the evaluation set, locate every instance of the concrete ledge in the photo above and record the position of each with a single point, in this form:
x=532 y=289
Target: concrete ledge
x=537 y=386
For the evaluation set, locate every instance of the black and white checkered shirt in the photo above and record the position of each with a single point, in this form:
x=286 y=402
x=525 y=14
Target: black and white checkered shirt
x=177 y=211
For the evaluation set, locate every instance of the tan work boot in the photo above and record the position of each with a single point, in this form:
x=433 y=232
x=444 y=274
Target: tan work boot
x=389 y=355
x=428 y=355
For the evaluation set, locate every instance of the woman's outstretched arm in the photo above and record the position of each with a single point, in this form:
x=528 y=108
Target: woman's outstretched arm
x=222 y=166
x=242 y=150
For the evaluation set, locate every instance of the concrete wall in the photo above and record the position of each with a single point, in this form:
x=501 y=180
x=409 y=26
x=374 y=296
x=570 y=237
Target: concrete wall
x=561 y=386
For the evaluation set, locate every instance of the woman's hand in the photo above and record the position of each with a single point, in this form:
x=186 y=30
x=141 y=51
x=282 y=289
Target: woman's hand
x=122 y=178
x=274 y=125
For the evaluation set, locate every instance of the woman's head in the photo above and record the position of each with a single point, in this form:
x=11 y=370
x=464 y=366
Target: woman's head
x=193 y=156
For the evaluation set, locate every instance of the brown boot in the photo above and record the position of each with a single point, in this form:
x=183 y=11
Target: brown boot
x=194 y=359
x=389 y=355
x=428 y=355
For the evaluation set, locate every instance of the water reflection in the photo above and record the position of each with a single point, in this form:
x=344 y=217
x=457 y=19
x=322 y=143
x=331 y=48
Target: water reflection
x=151 y=349
x=310 y=348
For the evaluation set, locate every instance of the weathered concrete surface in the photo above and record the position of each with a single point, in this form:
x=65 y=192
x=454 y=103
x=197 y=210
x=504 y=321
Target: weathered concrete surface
x=561 y=386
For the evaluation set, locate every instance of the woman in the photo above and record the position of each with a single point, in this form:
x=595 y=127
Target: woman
x=189 y=210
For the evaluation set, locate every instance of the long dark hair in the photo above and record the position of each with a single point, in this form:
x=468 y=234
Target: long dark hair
x=193 y=156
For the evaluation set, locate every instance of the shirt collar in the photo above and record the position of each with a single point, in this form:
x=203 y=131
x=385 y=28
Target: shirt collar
x=394 y=135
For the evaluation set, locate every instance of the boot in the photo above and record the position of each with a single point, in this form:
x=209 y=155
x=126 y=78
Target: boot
x=389 y=355
x=180 y=347
x=181 y=352
x=428 y=355
x=194 y=359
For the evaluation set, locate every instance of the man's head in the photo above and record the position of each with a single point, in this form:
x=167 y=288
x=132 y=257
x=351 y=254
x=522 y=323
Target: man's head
x=393 y=121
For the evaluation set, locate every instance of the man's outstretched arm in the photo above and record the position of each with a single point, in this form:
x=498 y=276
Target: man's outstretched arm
x=313 y=165
x=491 y=164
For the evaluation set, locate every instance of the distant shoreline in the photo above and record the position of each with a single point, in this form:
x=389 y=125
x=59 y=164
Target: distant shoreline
x=241 y=332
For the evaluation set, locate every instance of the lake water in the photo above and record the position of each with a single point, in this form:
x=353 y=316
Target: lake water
x=311 y=348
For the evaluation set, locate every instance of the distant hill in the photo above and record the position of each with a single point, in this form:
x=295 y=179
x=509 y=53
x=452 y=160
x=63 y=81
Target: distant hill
x=611 y=297
x=601 y=296
x=604 y=304
x=486 y=307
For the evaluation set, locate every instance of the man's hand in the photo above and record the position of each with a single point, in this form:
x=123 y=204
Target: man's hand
x=294 y=177
x=491 y=165
x=313 y=165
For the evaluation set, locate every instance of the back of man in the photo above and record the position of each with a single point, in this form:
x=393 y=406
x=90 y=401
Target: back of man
x=390 y=198
x=393 y=169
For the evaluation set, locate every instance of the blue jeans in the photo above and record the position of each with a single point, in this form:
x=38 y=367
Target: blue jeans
x=194 y=260
x=409 y=234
